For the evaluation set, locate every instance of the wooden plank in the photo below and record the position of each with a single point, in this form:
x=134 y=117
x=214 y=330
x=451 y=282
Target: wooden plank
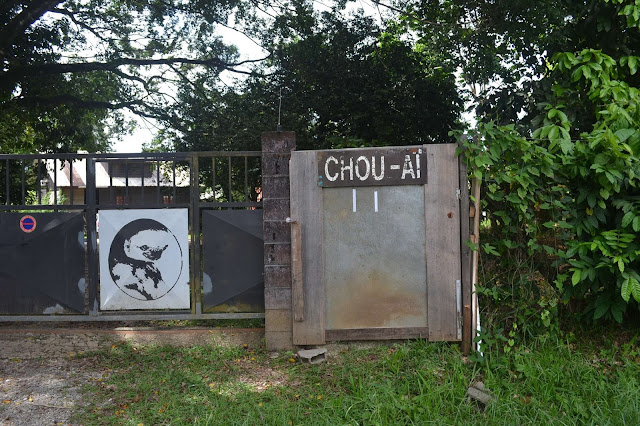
x=377 y=334
x=306 y=209
x=297 y=278
x=465 y=255
x=475 y=229
x=442 y=219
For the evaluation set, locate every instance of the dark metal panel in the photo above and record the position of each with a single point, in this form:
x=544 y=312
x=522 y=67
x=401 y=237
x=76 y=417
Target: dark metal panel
x=42 y=269
x=372 y=167
x=233 y=260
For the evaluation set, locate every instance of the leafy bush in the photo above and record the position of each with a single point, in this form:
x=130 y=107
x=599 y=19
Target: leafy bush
x=563 y=203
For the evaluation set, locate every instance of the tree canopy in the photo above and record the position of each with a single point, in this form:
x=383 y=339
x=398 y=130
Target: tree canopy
x=68 y=65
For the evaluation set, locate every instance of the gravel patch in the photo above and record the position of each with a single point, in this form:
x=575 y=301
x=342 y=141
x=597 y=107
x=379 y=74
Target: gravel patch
x=41 y=391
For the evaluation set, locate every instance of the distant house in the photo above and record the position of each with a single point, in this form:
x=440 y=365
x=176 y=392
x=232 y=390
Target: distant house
x=119 y=182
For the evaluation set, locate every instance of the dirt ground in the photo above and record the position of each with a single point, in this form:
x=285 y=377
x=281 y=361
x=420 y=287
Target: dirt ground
x=41 y=376
x=42 y=391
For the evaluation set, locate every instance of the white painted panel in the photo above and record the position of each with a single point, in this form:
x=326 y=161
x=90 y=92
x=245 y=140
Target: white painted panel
x=144 y=259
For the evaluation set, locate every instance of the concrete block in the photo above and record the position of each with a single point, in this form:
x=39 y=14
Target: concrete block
x=278 y=340
x=275 y=187
x=313 y=356
x=278 y=141
x=277 y=276
x=277 y=254
x=276 y=209
x=277 y=298
x=278 y=320
x=277 y=232
x=275 y=164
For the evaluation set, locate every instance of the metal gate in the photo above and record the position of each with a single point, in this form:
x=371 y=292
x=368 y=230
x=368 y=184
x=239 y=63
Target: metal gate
x=111 y=237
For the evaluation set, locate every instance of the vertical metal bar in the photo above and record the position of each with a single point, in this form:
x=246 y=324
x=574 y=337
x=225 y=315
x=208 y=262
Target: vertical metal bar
x=71 y=181
x=111 y=191
x=6 y=180
x=230 y=193
x=213 y=173
x=142 y=181
x=92 y=238
x=158 y=181
x=196 y=305
x=174 y=182
x=55 y=181
x=39 y=181
x=23 y=183
x=126 y=181
x=246 y=179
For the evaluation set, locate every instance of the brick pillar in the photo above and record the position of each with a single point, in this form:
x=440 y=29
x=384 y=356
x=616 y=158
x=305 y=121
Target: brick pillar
x=276 y=153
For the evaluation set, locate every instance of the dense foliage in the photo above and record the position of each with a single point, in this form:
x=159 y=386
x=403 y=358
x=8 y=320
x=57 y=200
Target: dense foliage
x=563 y=201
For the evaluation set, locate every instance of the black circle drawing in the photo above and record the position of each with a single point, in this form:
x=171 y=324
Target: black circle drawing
x=145 y=259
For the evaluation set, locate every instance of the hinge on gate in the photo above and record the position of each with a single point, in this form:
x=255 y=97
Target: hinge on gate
x=458 y=193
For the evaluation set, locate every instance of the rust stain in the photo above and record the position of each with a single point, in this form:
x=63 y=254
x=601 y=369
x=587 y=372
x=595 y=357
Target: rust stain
x=376 y=299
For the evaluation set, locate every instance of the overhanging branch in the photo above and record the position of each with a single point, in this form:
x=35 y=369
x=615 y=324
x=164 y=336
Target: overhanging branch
x=85 y=67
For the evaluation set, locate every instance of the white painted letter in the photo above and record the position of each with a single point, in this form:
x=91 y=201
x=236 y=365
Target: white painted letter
x=343 y=168
x=366 y=162
x=409 y=169
x=326 y=169
x=418 y=165
x=373 y=168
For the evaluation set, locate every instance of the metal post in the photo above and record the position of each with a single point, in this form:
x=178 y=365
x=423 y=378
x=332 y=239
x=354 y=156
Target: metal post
x=158 y=181
x=230 y=193
x=71 y=181
x=213 y=174
x=55 y=181
x=196 y=305
x=39 y=182
x=126 y=182
x=6 y=180
x=246 y=179
x=92 y=237
x=23 y=183
x=174 y=182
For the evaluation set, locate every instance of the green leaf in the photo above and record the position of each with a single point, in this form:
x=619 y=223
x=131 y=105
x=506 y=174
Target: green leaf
x=489 y=249
x=628 y=218
x=625 y=290
x=624 y=134
x=617 y=313
x=575 y=279
x=602 y=306
x=634 y=286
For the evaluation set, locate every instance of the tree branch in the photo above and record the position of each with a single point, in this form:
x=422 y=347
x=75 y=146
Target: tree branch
x=84 y=67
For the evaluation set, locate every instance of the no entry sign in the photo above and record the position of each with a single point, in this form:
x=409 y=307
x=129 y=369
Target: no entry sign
x=28 y=223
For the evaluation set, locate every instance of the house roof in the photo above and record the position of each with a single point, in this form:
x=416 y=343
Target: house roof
x=104 y=180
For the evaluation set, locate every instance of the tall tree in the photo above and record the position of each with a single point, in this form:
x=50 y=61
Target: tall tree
x=337 y=79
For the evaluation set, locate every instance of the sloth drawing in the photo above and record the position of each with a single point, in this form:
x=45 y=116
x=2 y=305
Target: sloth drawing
x=145 y=259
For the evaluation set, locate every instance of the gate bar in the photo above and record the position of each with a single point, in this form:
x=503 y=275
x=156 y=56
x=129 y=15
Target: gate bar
x=92 y=239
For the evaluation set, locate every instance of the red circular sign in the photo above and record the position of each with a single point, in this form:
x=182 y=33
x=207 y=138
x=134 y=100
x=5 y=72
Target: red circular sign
x=28 y=223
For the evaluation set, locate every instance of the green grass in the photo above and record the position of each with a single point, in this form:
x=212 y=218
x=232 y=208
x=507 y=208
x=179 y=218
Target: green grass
x=549 y=381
